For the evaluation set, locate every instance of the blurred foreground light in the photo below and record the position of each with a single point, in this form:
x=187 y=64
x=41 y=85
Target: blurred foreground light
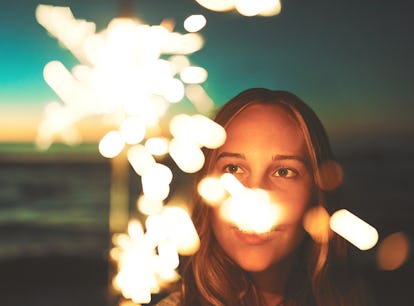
x=355 y=230
x=199 y=98
x=135 y=229
x=212 y=190
x=273 y=9
x=217 y=5
x=256 y=7
x=148 y=206
x=111 y=144
x=181 y=230
x=133 y=130
x=174 y=91
x=155 y=182
x=194 y=23
x=393 y=252
x=316 y=223
x=208 y=133
x=193 y=75
x=140 y=159
x=157 y=146
x=249 y=209
x=187 y=155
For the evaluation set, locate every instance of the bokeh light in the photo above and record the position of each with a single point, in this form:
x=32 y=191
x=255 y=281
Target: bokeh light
x=157 y=146
x=316 y=223
x=330 y=175
x=355 y=230
x=217 y=5
x=111 y=144
x=195 y=23
x=212 y=190
x=248 y=8
x=393 y=251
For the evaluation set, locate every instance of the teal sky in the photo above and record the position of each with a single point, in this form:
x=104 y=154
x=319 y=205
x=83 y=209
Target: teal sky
x=352 y=61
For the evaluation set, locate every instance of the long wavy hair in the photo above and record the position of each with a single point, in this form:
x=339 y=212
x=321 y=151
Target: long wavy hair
x=319 y=275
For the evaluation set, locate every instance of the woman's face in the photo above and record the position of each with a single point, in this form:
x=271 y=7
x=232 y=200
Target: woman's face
x=265 y=148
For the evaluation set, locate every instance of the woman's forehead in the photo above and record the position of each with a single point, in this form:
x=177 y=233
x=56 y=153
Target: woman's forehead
x=262 y=116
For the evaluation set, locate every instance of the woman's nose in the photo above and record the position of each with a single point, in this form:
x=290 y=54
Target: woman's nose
x=257 y=180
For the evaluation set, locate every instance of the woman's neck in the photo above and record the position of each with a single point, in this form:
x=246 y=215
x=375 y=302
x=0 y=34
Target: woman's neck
x=272 y=282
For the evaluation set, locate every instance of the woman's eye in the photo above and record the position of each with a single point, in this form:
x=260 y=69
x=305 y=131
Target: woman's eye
x=231 y=168
x=285 y=172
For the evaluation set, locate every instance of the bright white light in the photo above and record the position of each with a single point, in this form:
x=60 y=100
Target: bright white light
x=168 y=253
x=133 y=130
x=356 y=231
x=187 y=155
x=174 y=91
x=155 y=182
x=208 y=133
x=157 y=145
x=274 y=8
x=149 y=206
x=255 y=7
x=249 y=209
x=194 y=23
x=212 y=190
x=232 y=184
x=181 y=230
x=111 y=144
x=217 y=5
x=121 y=69
x=140 y=159
x=193 y=75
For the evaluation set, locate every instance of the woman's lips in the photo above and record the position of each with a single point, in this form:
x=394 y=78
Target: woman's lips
x=255 y=238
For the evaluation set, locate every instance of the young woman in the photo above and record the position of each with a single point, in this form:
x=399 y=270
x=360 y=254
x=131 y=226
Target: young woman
x=275 y=142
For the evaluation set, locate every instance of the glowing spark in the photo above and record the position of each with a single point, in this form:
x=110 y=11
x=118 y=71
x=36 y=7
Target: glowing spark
x=249 y=8
x=111 y=144
x=129 y=74
x=195 y=23
x=353 y=229
x=212 y=190
x=155 y=181
x=249 y=209
x=193 y=75
x=157 y=145
x=274 y=8
x=140 y=159
x=181 y=230
x=187 y=155
x=149 y=206
x=217 y=5
x=133 y=130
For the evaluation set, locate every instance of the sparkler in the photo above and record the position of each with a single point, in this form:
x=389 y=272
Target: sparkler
x=128 y=75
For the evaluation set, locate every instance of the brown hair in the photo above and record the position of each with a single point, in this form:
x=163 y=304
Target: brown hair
x=210 y=277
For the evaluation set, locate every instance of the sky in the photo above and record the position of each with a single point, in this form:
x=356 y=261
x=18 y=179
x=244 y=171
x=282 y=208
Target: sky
x=351 y=61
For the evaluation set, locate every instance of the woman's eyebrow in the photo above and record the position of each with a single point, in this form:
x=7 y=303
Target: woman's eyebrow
x=230 y=154
x=278 y=157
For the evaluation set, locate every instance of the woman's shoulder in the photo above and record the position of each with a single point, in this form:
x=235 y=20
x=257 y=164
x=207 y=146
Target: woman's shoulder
x=173 y=299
